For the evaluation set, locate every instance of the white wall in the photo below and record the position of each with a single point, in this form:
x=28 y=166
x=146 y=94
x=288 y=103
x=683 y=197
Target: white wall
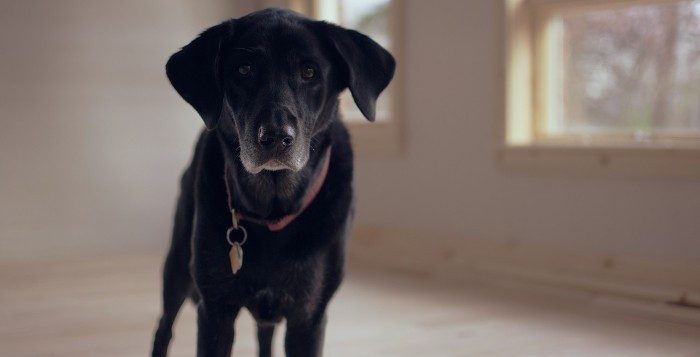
x=449 y=181
x=92 y=139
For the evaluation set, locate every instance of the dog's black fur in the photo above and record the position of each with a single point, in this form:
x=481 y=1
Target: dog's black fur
x=267 y=87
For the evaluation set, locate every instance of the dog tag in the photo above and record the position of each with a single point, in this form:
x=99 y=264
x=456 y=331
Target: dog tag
x=236 y=256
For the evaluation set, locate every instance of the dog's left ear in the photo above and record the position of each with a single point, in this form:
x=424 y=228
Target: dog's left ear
x=370 y=67
x=194 y=73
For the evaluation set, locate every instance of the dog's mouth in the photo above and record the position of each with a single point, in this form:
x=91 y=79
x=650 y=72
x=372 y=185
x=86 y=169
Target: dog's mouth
x=255 y=166
x=256 y=160
x=272 y=165
x=275 y=165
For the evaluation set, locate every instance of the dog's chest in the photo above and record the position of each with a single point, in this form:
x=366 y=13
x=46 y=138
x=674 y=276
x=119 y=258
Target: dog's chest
x=274 y=279
x=276 y=293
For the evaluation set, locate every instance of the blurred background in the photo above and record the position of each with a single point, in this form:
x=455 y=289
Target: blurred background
x=93 y=138
x=599 y=196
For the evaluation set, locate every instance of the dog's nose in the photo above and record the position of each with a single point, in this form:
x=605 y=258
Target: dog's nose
x=276 y=138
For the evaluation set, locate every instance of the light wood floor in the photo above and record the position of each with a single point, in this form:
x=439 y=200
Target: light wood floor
x=109 y=307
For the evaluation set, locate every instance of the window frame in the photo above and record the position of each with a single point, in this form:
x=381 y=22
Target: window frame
x=383 y=137
x=525 y=101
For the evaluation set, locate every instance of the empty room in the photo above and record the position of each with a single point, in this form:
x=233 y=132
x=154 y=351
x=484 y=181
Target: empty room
x=350 y=178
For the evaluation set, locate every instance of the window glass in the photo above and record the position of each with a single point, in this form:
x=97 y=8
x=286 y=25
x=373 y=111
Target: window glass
x=632 y=72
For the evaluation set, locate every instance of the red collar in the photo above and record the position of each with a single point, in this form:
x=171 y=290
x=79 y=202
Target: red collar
x=286 y=220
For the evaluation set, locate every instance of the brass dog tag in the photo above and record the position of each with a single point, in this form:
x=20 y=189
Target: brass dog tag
x=236 y=256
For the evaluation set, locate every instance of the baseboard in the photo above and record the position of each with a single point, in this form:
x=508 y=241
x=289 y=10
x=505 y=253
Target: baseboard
x=607 y=280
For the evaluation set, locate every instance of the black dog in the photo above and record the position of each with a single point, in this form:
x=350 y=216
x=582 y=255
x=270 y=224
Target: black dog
x=271 y=176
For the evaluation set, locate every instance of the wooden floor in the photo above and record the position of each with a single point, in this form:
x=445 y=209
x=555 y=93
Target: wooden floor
x=109 y=308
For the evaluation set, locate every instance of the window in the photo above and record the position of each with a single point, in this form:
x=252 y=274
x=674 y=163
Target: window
x=371 y=17
x=381 y=20
x=603 y=73
x=610 y=87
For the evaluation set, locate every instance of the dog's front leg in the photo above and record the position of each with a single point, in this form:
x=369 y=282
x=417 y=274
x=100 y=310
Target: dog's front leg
x=215 y=329
x=305 y=338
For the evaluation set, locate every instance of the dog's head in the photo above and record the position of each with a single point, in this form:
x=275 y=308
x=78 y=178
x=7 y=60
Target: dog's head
x=270 y=82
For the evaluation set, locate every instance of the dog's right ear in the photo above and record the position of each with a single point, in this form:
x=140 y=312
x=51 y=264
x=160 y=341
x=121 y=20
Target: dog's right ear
x=194 y=73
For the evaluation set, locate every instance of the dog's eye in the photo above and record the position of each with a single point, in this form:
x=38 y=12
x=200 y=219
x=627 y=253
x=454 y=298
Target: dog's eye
x=244 y=70
x=307 y=72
